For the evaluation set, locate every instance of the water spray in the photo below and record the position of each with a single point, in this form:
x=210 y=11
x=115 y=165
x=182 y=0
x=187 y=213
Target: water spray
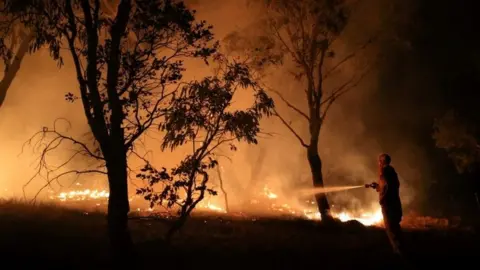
x=313 y=191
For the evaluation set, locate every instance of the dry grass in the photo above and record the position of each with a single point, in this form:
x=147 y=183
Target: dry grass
x=49 y=236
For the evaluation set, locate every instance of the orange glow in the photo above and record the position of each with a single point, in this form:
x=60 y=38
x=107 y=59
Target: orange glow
x=367 y=218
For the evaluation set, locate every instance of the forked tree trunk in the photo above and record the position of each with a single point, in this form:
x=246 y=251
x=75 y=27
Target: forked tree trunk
x=118 y=208
x=316 y=168
x=14 y=67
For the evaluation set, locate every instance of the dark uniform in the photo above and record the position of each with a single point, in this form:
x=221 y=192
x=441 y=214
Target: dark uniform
x=388 y=189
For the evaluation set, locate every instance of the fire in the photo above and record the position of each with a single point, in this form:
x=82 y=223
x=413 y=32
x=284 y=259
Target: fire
x=366 y=218
x=269 y=194
x=212 y=207
x=82 y=195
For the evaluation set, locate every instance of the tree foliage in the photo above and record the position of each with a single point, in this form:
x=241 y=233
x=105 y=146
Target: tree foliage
x=129 y=68
x=458 y=138
x=202 y=116
x=15 y=44
x=128 y=65
x=127 y=75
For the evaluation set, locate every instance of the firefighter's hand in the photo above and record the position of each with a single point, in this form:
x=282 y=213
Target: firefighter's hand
x=372 y=185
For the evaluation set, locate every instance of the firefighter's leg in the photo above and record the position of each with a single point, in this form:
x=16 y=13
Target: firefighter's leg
x=395 y=236
x=394 y=233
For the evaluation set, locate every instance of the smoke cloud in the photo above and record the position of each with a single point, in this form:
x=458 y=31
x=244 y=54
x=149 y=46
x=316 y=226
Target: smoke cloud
x=279 y=162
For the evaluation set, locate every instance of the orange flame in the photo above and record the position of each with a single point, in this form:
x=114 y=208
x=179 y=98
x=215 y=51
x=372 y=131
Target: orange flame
x=367 y=218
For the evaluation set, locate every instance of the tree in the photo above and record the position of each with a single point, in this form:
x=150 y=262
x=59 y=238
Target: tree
x=457 y=137
x=124 y=82
x=14 y=45
x=460 y=139
x=302 y=34
x=202 y=115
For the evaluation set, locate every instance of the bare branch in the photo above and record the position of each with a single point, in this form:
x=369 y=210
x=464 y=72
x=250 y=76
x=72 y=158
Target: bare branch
x=302 y=142
x=351 y=55
x=290 y=105
x=49 y=140
x=56 y=178
x=341 y=90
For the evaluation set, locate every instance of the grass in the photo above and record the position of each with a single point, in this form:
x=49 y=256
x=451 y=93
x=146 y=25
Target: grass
x=56 y=237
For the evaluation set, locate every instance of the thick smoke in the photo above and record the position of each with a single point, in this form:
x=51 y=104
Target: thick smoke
x=278 y=162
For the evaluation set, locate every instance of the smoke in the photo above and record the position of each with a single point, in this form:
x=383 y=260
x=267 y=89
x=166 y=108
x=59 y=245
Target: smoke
x=279 y=162
x=348 y=151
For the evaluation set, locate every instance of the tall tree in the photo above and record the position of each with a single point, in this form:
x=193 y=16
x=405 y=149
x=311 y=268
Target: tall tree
x=302 y=34
x=123 y=82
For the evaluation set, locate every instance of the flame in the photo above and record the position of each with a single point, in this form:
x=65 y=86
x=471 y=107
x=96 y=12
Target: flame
x=82 y=195
x=213 y=207
x=269 y=193
x=367 y=218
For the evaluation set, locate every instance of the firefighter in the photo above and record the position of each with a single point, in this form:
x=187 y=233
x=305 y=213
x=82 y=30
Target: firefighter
x=388 y=189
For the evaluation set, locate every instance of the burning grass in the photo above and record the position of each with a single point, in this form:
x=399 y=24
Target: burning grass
x=269 y=201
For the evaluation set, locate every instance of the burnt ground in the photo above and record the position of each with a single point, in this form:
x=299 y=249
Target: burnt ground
x=57 y=238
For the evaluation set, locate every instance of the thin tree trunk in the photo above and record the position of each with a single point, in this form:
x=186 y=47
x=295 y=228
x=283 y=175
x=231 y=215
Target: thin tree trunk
x=225 y=195
x=316 y=168
x=257 y=167
x=14 y=67
x=118 y=208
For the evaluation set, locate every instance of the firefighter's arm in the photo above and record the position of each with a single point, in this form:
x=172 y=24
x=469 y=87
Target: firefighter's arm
x=382 y=189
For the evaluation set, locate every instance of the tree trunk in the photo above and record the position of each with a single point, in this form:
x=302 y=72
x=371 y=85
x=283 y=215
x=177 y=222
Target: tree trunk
x=225 y=195
x=14 y=67
x=316 y=168
x=257 y=167
x=118 y=208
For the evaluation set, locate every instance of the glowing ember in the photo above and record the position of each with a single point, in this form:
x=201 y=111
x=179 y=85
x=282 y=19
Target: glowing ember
x=82 y=195
x=213 y=207
x=367 y=218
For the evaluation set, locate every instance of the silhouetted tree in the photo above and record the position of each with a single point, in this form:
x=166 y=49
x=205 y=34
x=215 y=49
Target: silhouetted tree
x=202 y=115
x=15 y=44
x=459 y=137
x=124 y=82
x=302 y=34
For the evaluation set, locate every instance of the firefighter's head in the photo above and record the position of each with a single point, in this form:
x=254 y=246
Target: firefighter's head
x=384 y=160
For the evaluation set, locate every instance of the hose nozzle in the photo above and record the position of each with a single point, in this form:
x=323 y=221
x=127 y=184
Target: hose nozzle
x=372 y=185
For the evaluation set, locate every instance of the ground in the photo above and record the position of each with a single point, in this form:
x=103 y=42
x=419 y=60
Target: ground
x=55 y=237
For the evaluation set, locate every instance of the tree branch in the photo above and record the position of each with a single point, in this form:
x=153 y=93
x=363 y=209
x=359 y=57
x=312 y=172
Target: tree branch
x=350 y=56
x=48 y=141
x=302 y=142
x=290 y=105
x=341 y=90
